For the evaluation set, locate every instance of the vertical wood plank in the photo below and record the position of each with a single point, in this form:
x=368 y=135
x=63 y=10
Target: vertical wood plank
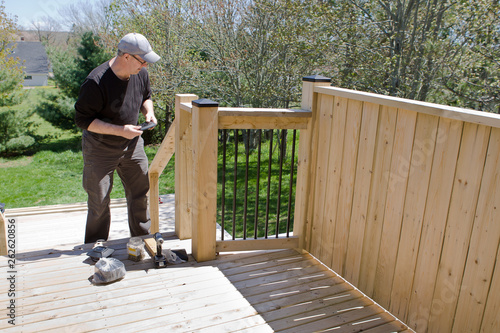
x=154 y=205
x=378 y=194
x=3 y=236
x=483 y=245
x=436 y=212
x=364 y=171
x=325 y=115
x=304 y=196
x=333 y=181
x=416 y=195
x=348 y=172
x=204 y=212
x=397 y=185
x=491 y=319
x=463 y=204
x=183 y=167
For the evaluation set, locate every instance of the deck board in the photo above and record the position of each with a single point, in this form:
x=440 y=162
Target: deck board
x=255 y=291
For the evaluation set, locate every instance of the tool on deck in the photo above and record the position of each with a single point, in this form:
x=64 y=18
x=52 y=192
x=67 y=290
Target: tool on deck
x=100 y=251
x=160 y=260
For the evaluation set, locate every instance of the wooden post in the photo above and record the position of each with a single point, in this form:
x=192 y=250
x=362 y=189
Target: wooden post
x=307 y=152
x=204 y=212
x=183 y=167
x=154 y=205
x=3 y=236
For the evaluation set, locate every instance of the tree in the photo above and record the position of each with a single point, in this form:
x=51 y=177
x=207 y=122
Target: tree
x=16 y=131
x=90 y=55
x=396 y=48
x=282 y=41
x=164 y=24
x=70 y=70
x=46 y=28
x=239 y=52
x=443 y=51
x=473 y=77
x=84 y=16
x=11 y=73
x=255 y=52
x=71 y=67
x=11 y=78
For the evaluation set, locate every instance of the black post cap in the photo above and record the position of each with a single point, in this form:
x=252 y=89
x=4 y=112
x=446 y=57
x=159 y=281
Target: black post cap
x=203 y=102
x=316 y=78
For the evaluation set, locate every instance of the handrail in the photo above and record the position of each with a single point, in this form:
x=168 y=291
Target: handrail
x=252 y=118
x=255 y=112
x=263 y=112
x=259 y=118
x=450 y=112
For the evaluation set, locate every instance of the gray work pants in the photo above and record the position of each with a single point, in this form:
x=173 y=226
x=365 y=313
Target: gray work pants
x=102 y=155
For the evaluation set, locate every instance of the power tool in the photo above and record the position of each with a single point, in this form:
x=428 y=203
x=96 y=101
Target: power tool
x=160 y=260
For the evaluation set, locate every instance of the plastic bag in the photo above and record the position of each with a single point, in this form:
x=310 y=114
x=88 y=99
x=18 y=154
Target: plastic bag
x=107 y=270
x=172 y=257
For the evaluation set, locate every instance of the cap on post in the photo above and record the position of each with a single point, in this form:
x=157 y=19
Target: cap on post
x=203 y=102
x=136 y=44
x=316 y=78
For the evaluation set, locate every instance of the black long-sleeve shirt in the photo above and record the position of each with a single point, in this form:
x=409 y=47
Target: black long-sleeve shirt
x=106 y=97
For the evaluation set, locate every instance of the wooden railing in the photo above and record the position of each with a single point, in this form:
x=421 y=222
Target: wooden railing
x=401 y=198
x=398 y=196
x=196 y=126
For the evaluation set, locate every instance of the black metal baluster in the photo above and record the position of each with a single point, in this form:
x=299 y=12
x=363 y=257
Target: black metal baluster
x=223 y=198
x=258 y=187
x=247 y=153
x=290 y=192
x=235 y=181
x=281 y=158
x=269 y=182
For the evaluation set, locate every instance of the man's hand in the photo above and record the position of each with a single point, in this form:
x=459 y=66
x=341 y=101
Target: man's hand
x=151 y=119
x=148 y=111
x=131 y=131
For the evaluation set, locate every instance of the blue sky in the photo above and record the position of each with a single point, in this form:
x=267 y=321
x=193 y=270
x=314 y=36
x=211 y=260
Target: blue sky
x=28 y=10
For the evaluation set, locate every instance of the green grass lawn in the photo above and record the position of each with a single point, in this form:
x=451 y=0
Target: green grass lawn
x=55 y=177
x=53 y=174
x=268 y=181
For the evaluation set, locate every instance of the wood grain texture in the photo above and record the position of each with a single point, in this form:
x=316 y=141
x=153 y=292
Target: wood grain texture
x=257 y=291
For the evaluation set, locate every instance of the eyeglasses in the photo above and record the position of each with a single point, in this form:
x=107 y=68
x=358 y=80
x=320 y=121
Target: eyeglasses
x=139 y=60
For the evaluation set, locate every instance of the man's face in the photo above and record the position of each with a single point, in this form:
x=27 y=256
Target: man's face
x=135 y=64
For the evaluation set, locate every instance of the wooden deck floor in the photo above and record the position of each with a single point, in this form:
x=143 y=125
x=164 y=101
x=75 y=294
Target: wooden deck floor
x=259 y=291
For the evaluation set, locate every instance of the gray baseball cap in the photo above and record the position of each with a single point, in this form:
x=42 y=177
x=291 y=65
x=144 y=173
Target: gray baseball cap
x=136 y=44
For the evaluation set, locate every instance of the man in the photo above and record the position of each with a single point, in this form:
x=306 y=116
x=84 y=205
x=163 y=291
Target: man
x=107 y=110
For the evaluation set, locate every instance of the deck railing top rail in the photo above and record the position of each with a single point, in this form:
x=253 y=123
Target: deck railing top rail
x=255 y=112
x=450 y=112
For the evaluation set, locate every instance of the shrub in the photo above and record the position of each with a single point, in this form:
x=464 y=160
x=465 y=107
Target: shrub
x=16 y=132
x=70 y=67
x=20 y=143
x=58 y=110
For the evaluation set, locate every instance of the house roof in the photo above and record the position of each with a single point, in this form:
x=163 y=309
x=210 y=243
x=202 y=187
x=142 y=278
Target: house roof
x=33 y=57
